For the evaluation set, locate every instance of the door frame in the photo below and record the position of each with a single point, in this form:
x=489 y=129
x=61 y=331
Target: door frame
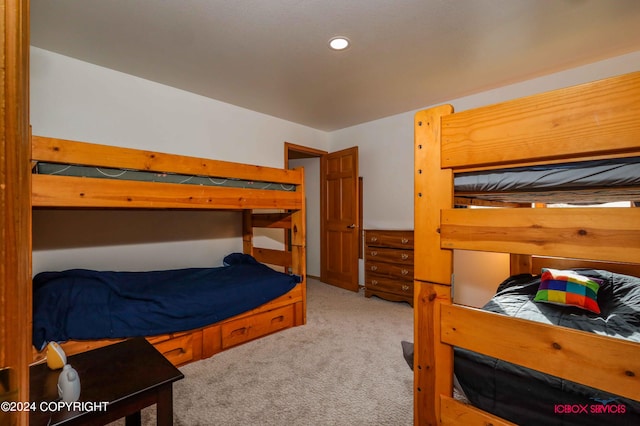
x=294 y=151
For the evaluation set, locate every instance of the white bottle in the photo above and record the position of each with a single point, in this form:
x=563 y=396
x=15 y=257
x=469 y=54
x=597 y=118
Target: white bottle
x=69 y=384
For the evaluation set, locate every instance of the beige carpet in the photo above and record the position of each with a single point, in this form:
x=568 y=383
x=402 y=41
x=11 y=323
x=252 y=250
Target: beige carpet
x=344 y=367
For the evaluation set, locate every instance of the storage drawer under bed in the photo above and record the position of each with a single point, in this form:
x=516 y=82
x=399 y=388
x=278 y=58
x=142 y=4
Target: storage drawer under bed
x=179 y=348
x=249 y=328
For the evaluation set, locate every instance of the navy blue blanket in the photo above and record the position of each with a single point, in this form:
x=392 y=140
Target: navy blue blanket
x=84 y=304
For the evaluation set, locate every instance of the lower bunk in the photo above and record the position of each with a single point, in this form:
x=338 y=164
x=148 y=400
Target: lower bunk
x=595 y=301
x=187 y=314
x=503 y=392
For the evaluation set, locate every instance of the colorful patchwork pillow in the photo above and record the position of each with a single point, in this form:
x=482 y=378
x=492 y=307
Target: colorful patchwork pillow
x=568 y=288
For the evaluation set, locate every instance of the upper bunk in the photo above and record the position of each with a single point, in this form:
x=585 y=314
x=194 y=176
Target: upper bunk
x=72 y=174
x=578 y=144
x=586 y=135
x=78 y=174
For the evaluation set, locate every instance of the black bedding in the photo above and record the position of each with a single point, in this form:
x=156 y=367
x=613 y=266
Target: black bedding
x=528 y=397
x=606 y=180
x=84 y=304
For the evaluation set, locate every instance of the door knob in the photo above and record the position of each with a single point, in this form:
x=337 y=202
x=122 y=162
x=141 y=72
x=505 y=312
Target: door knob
x=353 y=225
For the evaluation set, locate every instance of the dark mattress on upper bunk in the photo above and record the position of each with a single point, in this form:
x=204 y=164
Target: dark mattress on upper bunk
x=84 y=304
x=146 y=176
x=528 y=397
x=557 y=182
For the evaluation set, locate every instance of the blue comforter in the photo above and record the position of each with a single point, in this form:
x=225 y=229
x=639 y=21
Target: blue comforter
x=84 y=304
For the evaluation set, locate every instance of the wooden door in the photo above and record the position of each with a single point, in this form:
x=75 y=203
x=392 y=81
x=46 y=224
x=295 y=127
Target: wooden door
x=340 y=219
x=15 y=205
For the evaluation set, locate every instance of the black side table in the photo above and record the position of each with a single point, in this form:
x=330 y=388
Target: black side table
x=116 y=381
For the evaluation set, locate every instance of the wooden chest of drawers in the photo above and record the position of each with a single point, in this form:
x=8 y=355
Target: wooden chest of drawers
x=388 y=265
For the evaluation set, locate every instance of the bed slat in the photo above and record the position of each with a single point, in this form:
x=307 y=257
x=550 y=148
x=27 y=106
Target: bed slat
x=456 y=413
x=592 y=233
x=272 y=257
x=66 y=191
x=272 y=220
x=605 y=363
x=593 y=120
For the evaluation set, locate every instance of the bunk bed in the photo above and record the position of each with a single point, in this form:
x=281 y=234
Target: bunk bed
x=586 y=126
x=80 y=175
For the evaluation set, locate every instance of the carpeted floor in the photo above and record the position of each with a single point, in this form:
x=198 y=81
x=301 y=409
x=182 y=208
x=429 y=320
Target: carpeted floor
x=344 y=367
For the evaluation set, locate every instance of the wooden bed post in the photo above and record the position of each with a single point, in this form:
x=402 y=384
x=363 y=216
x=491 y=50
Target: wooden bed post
x=247 y=231
x=433 y=361
x=292 y=257
x=298 y=260
x=299 y=252
x=519 y=264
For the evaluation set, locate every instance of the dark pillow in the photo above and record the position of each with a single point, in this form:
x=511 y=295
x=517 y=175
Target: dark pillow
x=239 y=259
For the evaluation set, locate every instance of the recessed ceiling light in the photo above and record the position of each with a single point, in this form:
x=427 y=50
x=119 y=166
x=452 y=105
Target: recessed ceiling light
x=339 y=43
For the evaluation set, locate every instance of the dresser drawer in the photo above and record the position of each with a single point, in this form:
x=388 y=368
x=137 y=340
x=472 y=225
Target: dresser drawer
x=404 y=272
x=394 y=239
x=388 y=284
x=389 y=255
x=249 y=328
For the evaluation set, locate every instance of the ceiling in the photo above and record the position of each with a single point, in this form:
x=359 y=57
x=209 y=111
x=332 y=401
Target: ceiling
x=272 y=56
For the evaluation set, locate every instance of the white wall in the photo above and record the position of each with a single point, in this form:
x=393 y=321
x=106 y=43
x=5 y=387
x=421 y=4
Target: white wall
x=75 y=100
x=386 y=162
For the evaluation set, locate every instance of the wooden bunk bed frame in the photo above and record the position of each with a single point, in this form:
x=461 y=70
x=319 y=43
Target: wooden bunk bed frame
x=257 y=207
x=598 y=120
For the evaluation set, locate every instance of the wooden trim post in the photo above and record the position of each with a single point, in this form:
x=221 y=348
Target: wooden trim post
x=433 y=361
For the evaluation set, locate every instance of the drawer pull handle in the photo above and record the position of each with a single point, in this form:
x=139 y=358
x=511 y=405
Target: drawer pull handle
x=404 y=256
x=374 y=253
x=374 y=239
x=405 y=287
x=374 y=267
x=374 y=282
x=176 y=351
x=279 y=318
x=239 y=331
x=404 y=240
x=404 y=271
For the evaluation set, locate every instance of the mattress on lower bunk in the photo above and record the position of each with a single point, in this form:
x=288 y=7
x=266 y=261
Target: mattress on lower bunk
x=528 y=397
x=85 y=304
x=556 y=182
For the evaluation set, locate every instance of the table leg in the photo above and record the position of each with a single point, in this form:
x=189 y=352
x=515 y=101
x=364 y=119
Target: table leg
x=133 y=419
x=164 y=406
